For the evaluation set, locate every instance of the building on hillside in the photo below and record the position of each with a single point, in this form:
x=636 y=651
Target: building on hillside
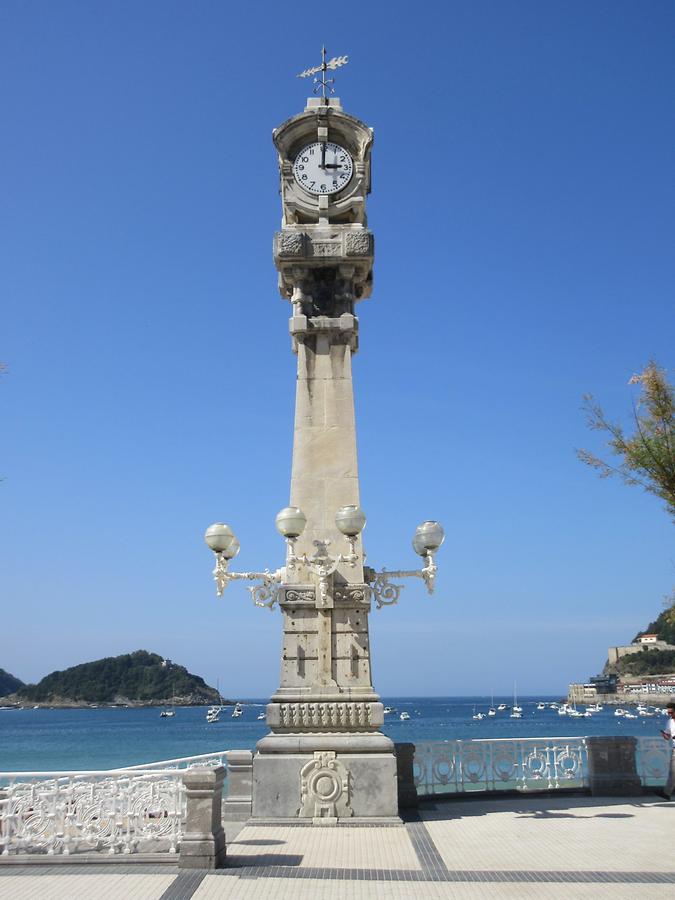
x=598 y=687
x=644 y=642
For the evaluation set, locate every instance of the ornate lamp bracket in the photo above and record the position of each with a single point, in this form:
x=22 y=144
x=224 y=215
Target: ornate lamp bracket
x=387 y=594
x=322 y=565
x=264 y=594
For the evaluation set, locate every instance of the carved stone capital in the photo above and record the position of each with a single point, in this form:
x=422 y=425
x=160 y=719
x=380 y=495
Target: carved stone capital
x=313 y=715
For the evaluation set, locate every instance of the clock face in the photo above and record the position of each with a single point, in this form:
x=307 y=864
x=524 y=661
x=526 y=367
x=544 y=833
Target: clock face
x=323 y=168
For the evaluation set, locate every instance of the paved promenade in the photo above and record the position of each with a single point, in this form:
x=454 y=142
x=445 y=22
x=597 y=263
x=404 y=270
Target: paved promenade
x=505 y=847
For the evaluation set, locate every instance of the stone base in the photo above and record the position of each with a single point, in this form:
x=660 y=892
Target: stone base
x=203 y=852
x=326 y=786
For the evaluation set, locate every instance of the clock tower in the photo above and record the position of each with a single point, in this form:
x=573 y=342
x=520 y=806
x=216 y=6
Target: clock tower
x=325 y=758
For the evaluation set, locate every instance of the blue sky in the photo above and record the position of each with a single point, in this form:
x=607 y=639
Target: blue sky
x=522 y=203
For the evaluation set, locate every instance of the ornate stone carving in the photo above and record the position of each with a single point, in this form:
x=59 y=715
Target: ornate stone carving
x=325 y=788
x=291 y=243
x=326 y=248
x=296 y=596
x=324 y=715
x=358 y=243
x=352 y=595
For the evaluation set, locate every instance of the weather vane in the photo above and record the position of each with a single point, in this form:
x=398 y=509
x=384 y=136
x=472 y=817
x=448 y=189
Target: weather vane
x=320 y=84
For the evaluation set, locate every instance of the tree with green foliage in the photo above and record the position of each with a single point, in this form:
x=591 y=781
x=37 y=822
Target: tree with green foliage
x=648 y=662
x=647 y=458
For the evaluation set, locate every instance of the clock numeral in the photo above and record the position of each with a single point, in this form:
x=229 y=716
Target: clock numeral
x=304 y=178
x=342 y=159
x=312 y=183
x=300 y=168
x=323 y=187
x=311 y=151
x=305 y=158
x=335 y=184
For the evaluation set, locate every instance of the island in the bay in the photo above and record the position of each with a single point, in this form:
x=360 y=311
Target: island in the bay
x=639 y=672
x=132 y=679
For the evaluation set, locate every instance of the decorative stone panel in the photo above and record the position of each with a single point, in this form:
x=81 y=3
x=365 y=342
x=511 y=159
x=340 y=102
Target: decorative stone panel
x=322 y=715
x=324 y=789
x=358 y=243
x=291 y=243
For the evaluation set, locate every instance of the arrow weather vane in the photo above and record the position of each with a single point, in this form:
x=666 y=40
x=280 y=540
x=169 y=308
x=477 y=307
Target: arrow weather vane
x=320 y=84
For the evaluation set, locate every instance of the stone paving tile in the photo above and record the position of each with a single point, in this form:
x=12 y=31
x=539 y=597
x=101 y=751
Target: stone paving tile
x=367 y=848
x=215 y=888
x=559 y=833
x=110 y=886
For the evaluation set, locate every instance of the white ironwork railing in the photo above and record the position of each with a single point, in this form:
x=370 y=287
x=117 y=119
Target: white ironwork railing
x=455 y=767
x=450 y=767
x=217 y=758
x=127 y=810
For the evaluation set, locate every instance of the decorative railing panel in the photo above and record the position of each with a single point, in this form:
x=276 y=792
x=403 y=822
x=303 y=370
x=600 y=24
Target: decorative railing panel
x=452 y=767
x=57 y=813
x=652 y=760
x=130 y=810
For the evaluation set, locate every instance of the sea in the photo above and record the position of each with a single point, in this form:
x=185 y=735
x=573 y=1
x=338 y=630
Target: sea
x=65 y=739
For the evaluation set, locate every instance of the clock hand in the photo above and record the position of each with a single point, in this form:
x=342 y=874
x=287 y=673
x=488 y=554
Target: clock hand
x=323 y=156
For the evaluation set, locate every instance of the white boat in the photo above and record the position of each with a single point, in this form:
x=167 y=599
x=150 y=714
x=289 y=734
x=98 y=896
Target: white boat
x=619 y=712
x=541 y=706
x=594 y=707
x=167 y=714
x=562 y=710
x=630 y=715
x=237 y=711
x=492 y=711
x=213 y=713
x=404 y=716
x=261 y=716
x=388 y=710
x=478 y=716
x=501 y=707
x=516 y=711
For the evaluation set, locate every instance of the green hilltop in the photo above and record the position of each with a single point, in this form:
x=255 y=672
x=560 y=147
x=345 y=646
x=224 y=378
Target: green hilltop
x=653 y=661
x=8 y=683
x=138 y=678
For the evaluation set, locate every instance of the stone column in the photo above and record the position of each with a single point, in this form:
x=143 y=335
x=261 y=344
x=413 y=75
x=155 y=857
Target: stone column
x=202 y=845
x=237 y=805
x=611 y=766
x=325 y=758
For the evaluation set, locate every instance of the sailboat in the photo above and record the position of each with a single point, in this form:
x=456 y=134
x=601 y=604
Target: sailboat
x=516 y=711
x=169 y=712
x=213 y=712
x=492 y=711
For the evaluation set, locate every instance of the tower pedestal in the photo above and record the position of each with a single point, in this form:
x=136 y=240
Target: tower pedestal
x=325 y=777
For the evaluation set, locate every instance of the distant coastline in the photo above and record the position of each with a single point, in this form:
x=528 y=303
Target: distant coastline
x=5 y=704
